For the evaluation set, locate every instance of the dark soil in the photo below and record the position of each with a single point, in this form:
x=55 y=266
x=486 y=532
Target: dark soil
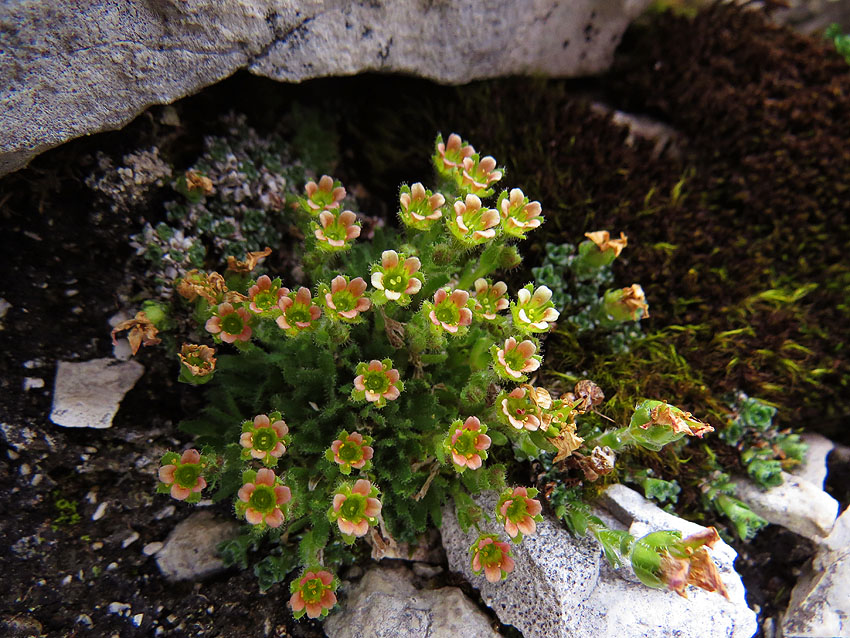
x=765 y=115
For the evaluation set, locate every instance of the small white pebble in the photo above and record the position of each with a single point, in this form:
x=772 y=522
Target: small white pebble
x=67 y=580
x=33 y=383
x=204 y=502
x=165 y=512
x=99 y=512
x=4 y=307
x=171 y=618
x=85 y=619
x=159 y=631
x=71 y=292
x=85 y=457
x=13 y=455
x=91 y=497
x=32 y=363
x=97 y=545
x=24 y=470
x=90 y=449
x=210 y=609
x=132 y=538
x=112 y=566
x=137 y=619
x=36 y=479
x=76 y=310
x=41 y=582
x=151 y=548
x=118 y=608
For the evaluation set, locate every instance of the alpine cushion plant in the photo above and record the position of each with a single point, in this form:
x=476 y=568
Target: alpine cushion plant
x=398 y=397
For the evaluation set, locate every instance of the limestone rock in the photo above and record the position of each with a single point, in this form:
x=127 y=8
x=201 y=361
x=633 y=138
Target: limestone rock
x=189 y=552
x=385 y=604
x=796 y=505
x=563 y=587
x=820 y=603
x=73 y=71
x=87 y=394
x=814 y=466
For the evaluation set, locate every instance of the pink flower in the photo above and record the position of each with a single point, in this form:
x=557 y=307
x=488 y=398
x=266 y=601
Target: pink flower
x=355 y=508
x=518 y=512
x=518 y=214
x=419 y=207
x=451 y=154
x=325 y=195
x=334 y=232
x=345 y=299
x=261 y=500
x=351 y=451
x=468 y=443
x=520 y=410
x=377 y=382
x=449 y=311
x=515 y=359
x=493 y=556
x=478 y=174
x=398 y=280
x=265 y=294
x=472 y=224
x=299 y=311
x=534 y=311
x=230 y=324
x=490 y=299
x=313 y=594
x=263 y=439
x=182 y=475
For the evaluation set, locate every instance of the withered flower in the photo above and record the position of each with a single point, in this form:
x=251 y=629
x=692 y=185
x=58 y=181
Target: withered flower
x=251 y=261
x=566 y=442
x=142 y=332
x=588 y=395
x=678 y=420
x=690 y=564
x=200 y=360
x=208 y=286
x=599 y=463
x=602 y=238
x=195 y=182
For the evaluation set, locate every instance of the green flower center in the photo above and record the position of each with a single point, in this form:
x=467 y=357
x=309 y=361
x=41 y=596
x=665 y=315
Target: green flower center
x=350 y=452
x=376 y=381
x=264 y=439
x=187 y=475
x=312 y=590
x=265 y=299
x=299 y=313
x=447 y=312
x=353 y=508
x=490 y=555
x=336 y=231
x=263 y=498
x=516 y=510
x=396 y=281
x=465 y=445
x=344 y=301
x=232 y=324
x=322 y=198
x=514 y=360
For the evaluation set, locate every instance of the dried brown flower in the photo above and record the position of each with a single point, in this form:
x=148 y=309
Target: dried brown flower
x=142 y=332
x=197 y=182
x=200 y=360
x=251 y=261
x=602 y=238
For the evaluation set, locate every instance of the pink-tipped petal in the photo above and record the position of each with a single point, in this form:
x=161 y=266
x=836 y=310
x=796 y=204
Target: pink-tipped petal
x=361 y=486
x=339 y=499
x=373 y=507
x=296 y=601
x=265 y=477
x=275 y=519
x=166 y=474
x=253 y=516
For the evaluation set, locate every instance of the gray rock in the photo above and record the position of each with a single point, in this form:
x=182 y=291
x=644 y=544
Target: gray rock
x=820 y=602
x=72 y=70
x=814 y=466
x=87 y=394
x=385 y=604
x=189 y=552
x=797 y=505
x=563 y=587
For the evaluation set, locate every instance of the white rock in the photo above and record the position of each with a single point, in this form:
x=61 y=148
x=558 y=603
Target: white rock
x=385 y=603
x=820 y=602
x=152 y=548
x=119 y=608
x=33 y=383
x=797 y=505
x=563 y=587
x=87 y=394
x=77 y=69
x=190 y=552
x=814 y=466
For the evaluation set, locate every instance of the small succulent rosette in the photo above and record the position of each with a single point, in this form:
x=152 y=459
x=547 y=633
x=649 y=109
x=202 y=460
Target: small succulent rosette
x=344 y=299
x=449 y=155
x=519 y=512
x=351 y=451
x=419 y=207
x=313 y=593
x=664 y=559
x=467 y=444
x=655 y=424
x=520 y=409
x=625 y=304
x=471 y=223
x=533 y=311
x=515 y=360
x=396 y=278
x=264 y=438
x=355 y=509
x=299 y=312
x=181 y=475
x=336 y=232
x=477 y=175
x=197 y=364
x=449 y=312
x=489 y=299
x=264 y=295
x=376 y=382
x=326 y=195
x=263 y=499
x=229 y=324
x=492 y=556
x=519 y=215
